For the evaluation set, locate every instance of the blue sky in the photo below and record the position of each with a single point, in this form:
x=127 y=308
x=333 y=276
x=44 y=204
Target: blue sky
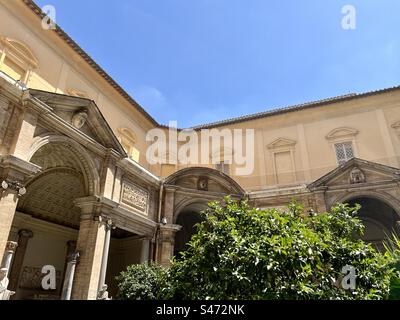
x=199 y=61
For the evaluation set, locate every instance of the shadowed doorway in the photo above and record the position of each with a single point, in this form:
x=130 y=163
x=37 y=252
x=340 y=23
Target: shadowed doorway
x=187 y=218
x=379 y=220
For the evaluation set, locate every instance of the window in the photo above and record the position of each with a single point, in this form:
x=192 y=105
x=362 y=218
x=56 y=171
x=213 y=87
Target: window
x=223 y=167
x=344 y=152
x=128 y=142
x=284 y=167
x=283 y=160
x=16 y=59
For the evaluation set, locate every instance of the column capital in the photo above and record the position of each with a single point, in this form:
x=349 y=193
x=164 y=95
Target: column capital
x=106 y=220
x=170 y=189
x=13 y=186
x=11 y=246
x=167 y=232
x=73 y=257
x=25 y=233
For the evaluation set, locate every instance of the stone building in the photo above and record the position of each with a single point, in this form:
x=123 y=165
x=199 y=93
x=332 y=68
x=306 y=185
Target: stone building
x=78 y=194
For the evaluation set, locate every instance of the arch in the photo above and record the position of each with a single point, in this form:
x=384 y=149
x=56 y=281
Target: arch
x=50 y=196
x=187 y=218
x=379 y=218
x=189 y=202
x=78 y=157
x=220 y=177
x=384 y=197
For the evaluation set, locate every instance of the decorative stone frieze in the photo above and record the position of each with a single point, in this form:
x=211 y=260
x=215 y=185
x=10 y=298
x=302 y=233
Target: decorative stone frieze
x=135 y=196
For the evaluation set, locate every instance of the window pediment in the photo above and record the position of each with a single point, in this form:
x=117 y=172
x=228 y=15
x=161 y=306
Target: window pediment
x=343 y=132
x=19 y=52
x=77 y=93
x=282 y=143
x=127 y=134
x=224 y=154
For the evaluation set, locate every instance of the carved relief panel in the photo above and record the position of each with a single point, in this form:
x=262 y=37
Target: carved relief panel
x=135 y=197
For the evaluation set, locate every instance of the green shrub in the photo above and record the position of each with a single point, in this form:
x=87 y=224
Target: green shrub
x=393 y=250
x=244 y=253
x=141 y=282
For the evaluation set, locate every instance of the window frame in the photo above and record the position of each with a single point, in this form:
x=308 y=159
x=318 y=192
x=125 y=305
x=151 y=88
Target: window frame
x=343 y=143
x=343 y=135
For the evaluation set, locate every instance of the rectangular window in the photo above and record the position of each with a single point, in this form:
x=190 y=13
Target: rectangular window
x=284 y=168
x=344 y=152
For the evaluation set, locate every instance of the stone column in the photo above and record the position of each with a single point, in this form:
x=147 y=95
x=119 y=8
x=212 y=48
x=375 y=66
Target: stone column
x=320 y=201
x=8 y=205
x=69 y=276
x=13 y=173
x=169 y=205
x=8 y=255
x=106 y=251
x=145 y=252
x=24 y=236
x=90 y=245
x=71 y=248
x=166 y=243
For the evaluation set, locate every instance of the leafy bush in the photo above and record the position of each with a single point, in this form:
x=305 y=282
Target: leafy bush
x=393 y=250
x=141 y=282
x=244 y=253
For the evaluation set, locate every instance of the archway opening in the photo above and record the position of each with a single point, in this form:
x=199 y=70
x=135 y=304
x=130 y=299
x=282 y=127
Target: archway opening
x=46 y=223
x=187 y=219
x=126 y=248
x=379 y=220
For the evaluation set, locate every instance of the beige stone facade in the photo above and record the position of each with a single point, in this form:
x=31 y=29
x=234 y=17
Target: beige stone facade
x=75 y=180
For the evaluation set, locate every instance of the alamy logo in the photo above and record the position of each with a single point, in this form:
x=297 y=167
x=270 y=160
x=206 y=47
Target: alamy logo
x=49 y=279
x=49 y=20
x=205 y=147
x=349 y=20
x=349 y=280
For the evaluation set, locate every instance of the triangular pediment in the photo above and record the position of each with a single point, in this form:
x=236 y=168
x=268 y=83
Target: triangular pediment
x=341 y=133
x=356 y=172
x=281 y=143
x=80 y=114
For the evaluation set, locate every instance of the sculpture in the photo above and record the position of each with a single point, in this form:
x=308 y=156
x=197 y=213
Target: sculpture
x=4 y=293
x=103 y=294
x=357 y=176
x=79 y=119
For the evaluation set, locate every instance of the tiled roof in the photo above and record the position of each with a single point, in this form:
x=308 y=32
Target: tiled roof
x=293 y=108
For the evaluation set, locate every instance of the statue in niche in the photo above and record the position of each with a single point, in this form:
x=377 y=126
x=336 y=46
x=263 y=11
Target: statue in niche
x=357 y=176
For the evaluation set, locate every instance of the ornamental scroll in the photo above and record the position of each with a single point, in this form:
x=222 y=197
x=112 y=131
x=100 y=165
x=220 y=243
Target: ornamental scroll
x=135 y=197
